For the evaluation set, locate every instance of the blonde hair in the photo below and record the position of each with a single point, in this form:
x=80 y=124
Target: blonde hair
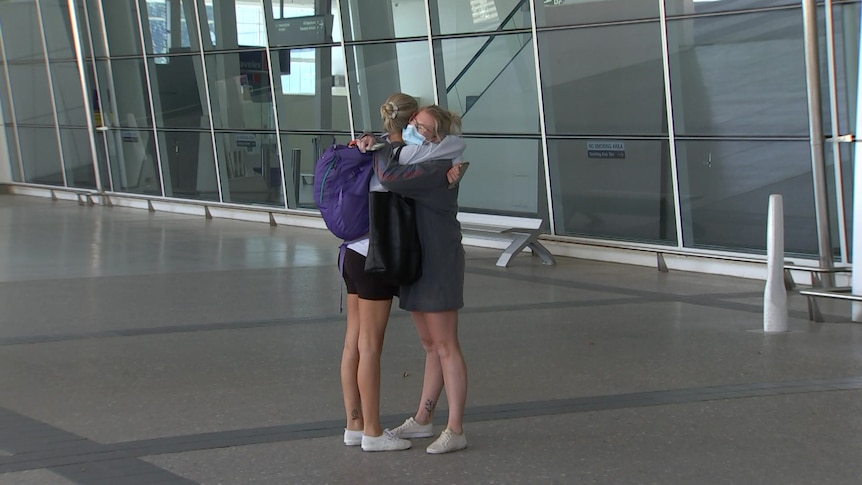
x=397 y=111
x=445 y=121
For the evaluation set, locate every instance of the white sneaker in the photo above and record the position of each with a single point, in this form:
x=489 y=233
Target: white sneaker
x=448 y=441
x=412 y=429
x=385 y=442
x=352 y=438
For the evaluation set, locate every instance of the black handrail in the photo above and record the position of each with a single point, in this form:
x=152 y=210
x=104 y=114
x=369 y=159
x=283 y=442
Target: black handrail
x=475 y=57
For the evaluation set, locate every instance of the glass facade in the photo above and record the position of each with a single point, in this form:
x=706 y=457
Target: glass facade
x=661 y=122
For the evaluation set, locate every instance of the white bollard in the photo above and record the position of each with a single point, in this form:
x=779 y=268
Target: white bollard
x=775 y=295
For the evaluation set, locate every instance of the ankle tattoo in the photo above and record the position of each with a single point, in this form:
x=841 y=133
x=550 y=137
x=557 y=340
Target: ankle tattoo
x=429 y=406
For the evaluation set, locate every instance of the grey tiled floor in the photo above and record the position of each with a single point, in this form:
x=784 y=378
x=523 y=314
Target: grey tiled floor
x=162 y=348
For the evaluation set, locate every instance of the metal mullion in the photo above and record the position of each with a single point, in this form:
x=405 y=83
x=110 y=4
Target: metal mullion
x=11 y=105
x=79 y=56
x=150 y=98
x=542 y=127
x=209 y=101
x=52 y=96
x=836 y=147
x=275 y=109
x=430 y=38
x=671 y=131
x=347 y=72
x=103 y=128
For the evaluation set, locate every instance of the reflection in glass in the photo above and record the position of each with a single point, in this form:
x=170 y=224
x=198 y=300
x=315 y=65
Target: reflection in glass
x=68 y=94
x=121 y=26
x=460 y=17
x=739 y=74
x=551 y=13
x=20 y=22
x=300 y=152
x=58 y=30
x=243 y=25
x=250 y=168
x=383 y=69
x=189 y=165
x=690 y=7
x=78 y=158
x=132 y=154
x=240 y=90
x=41 y=155
x=310 y=92
x=614 y=188
x=168 y=27
x=383 y=19
x=29 y=83
x=124 y=97
x=615 y=87
x=506 y=176
x=491 y=81
x=14 y=162
x=178 y=84
x=845 y=153
x=725 y=188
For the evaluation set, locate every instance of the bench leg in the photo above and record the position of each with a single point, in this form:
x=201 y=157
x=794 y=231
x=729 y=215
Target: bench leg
x=519 y=242
x=542 y=252
x=814 y=314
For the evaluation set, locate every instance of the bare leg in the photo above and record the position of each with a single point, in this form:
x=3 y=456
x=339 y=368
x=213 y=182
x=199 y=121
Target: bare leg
x=350 y=366
x=443 y=329
x=432 y=381
x=373 y=315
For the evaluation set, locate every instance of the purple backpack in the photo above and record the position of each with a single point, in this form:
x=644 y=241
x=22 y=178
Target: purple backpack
x=341 y=177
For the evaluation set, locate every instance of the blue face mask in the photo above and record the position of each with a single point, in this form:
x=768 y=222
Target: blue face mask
x=411 y=136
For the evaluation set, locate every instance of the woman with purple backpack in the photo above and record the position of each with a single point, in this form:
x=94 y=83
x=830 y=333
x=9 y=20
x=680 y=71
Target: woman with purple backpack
x=369 y=301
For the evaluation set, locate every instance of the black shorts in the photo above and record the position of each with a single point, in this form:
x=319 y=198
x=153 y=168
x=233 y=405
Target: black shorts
x=365 y=285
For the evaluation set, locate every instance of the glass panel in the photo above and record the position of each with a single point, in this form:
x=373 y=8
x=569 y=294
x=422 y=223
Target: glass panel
x=506 y=176
x=845 y=159
x=557 y=13
x=5 y=103
x=616 y=85
x=458 y=16
x=251 y=172
x=13 y=154
x=300 y=152
x=739 y=74
x=78 y=158
x=614 y=188
x=41 y=156
x=122 y=28
x=179 y=99
x=240 y=90
x=21 y=23
x=124 y=95
x=688 y=7
x=94 y=20
x=846 y=63
x=383 y=69
x=492 y=82
x=58 y=29
x=310 y=92
x=725 y=188
x=132 y=154
x=30 y=90
x=168 y=27
x=68 y=94
x=242 y=25
x=383 y=19
x=189 y=165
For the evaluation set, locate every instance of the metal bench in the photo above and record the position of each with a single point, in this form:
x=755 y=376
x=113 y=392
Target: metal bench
x=520 y=232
